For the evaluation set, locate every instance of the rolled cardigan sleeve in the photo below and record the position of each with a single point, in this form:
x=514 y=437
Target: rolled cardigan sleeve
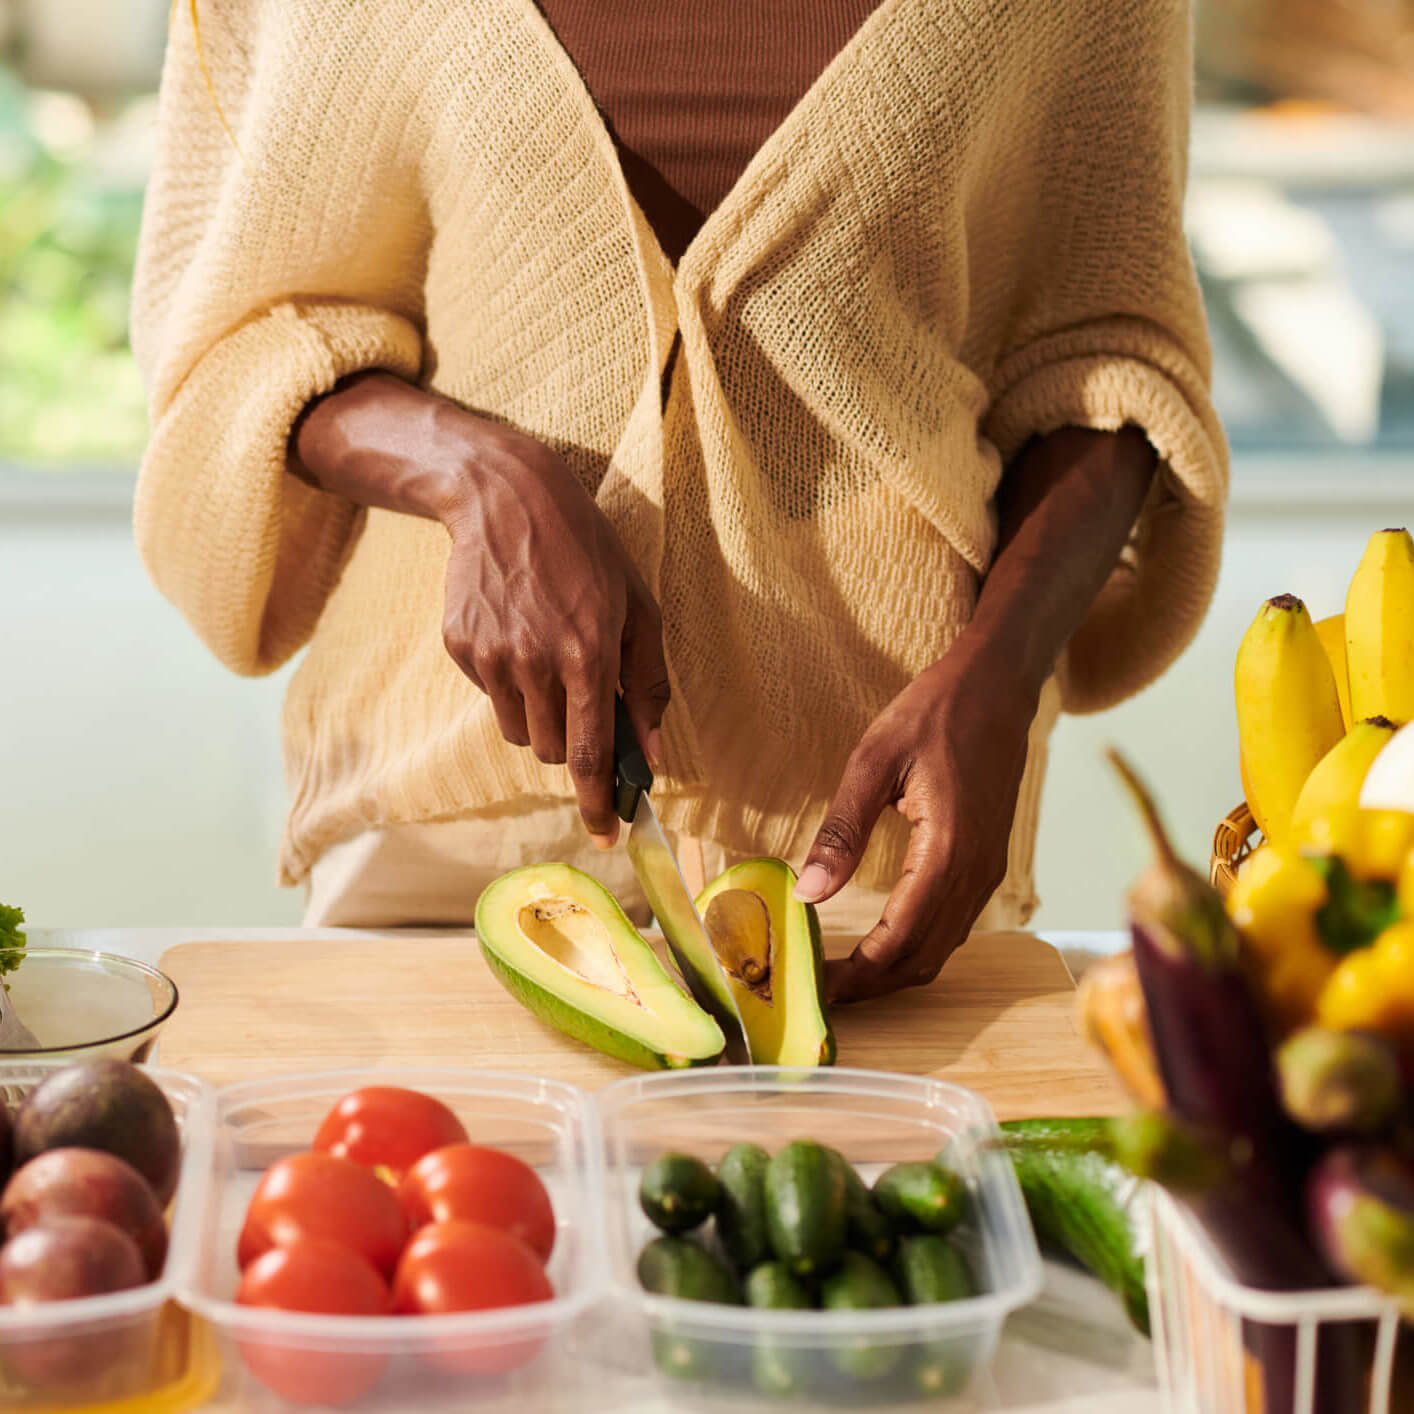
x=260 y=283
x=1110 y=332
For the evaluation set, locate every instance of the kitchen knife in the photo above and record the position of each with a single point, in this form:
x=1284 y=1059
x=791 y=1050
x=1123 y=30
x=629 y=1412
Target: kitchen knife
x=666 y=891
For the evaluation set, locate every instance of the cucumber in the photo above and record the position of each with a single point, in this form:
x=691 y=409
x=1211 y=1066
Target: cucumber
x=674 y=1266
x=777 y=1368
x=1081 y=1202
x=678 y=1192
x=805 y=1208
x=677 y=1266
x=1090 y=1135
x=928 y=1268
x=741 y=1214
x=943 y=1368
x=867 y=1230
x=772 y=1286
x=922 y=1196
x=861 y=1284
x=684 y=1358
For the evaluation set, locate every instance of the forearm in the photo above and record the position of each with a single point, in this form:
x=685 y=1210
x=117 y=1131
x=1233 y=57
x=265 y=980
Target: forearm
x=381 y=442
x=1067 y=506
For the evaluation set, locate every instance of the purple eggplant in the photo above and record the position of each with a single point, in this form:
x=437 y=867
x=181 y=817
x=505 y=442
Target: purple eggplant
x=1360 y=1204
x=1340 y=1082
x=1211 y=1047
x=1209 y=1037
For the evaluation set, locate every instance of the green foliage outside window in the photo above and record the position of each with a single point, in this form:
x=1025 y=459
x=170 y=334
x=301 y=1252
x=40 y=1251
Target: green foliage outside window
x=70 y=394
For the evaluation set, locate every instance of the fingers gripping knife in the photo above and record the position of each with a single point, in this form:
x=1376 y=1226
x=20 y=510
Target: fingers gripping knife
x=662 y=883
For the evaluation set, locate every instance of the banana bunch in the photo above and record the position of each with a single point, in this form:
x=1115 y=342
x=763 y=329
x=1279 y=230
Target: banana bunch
x=1317 y=702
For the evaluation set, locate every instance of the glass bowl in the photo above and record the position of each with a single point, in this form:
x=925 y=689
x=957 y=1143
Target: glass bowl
x=85 y=1005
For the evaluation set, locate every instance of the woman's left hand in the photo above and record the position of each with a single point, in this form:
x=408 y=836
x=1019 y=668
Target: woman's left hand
x=948 y=753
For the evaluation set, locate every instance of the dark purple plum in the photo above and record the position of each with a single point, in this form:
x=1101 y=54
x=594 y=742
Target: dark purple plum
x=87 y=1183
x=109 y=1105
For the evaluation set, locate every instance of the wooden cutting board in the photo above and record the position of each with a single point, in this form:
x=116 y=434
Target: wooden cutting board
x=1000 y=1019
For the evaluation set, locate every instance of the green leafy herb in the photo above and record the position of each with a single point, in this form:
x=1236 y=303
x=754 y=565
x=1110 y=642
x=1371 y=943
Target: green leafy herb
x=12 y=938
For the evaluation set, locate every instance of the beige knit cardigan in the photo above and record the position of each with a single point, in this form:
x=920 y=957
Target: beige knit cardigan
x=966 y=233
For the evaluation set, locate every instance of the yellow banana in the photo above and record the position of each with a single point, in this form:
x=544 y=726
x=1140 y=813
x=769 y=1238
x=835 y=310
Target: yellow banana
x=1331 y=632
x=1288 y=712
x=1379 y=629
x=1333 y=787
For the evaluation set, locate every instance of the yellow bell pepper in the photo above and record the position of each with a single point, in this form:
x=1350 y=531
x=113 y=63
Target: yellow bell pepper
x=1373 y=988
x=1372 y=844
x=1274 y=901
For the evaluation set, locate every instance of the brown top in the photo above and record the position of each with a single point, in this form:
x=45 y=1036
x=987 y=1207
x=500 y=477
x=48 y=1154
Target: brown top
x=691 y=91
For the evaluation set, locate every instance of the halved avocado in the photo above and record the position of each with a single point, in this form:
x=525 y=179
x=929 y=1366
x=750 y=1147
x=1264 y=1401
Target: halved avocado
x=561 y=945
x=769 y=946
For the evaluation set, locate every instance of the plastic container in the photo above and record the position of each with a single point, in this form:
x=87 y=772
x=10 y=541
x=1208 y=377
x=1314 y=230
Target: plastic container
x=549 y=1125
x=1203 y=1321
x=129 y=1349
x=719 y=1356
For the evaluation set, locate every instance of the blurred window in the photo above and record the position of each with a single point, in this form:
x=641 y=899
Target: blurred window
x=77 y=116
x=1301 y=214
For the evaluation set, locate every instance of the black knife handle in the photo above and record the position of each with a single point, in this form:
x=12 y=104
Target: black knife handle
x=632 y=773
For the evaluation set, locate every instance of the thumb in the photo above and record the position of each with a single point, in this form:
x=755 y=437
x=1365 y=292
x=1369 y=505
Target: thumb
x=643 y=674
x=865 y=789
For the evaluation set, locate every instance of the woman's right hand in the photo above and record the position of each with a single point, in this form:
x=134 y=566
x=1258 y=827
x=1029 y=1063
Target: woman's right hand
x=544 y=611
x=547 y=615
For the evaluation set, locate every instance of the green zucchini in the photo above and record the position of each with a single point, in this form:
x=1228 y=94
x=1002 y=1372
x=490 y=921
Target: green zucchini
x=805 y=1208
x=741 y=1214
x=1082 y=1202
x=678 y=1192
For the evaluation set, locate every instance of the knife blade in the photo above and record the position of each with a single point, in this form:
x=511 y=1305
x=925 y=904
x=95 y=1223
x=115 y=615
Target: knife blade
x=660 y=878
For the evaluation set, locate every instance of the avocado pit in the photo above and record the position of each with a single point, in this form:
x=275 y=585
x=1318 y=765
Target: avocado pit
x=738 y=925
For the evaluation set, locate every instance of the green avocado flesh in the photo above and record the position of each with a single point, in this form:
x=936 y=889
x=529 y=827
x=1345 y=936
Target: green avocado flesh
x=561 y=945
x=769 y=946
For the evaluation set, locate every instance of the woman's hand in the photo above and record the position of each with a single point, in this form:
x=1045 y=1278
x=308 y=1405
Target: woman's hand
x=544 y=611
x=950 y=750
x=547 y=615
x=948 y=753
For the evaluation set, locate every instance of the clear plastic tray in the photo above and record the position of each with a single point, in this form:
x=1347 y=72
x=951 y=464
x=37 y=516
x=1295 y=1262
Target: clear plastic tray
x=920 y=1353
x=123 y=1349
x=549 y=1125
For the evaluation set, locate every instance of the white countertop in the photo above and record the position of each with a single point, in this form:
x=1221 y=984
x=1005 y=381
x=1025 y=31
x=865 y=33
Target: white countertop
x=1072 y=1352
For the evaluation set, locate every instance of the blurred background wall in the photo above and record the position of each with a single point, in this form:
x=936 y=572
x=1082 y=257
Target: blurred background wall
x=141 y=784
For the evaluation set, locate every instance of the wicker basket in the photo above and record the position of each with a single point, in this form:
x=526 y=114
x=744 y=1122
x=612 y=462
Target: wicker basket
x=1234 y=839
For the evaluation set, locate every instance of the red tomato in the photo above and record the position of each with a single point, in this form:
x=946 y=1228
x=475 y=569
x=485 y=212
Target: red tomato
x=317 y=1195
x=313 y=1274
x=383 y=1127
x=480 y=1186
x=466 y=1266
